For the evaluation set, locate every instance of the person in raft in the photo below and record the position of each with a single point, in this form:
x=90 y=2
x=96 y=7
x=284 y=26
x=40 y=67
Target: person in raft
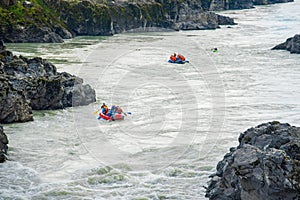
x=104 y=109
x=177 y=58
x=180 y=57
x=173 y=57
x=119 y=110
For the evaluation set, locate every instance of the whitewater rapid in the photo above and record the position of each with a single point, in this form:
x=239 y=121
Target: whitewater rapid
x=184 y=117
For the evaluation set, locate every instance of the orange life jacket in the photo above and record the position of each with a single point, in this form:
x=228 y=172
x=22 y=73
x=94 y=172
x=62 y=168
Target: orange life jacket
x=181 y=57
x=173 y=58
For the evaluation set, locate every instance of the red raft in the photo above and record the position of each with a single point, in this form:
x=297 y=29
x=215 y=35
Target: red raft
x=115 y=116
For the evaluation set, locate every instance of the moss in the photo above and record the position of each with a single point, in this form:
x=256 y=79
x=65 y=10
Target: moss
x=36 y=15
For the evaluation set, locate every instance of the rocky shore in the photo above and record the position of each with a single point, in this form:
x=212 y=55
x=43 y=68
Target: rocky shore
x=292 y=44
x=241 y=4
x=265 y=165
x=53 y=21
x=34 y=84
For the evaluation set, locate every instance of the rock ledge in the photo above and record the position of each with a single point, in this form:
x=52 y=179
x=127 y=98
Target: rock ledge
x=265 y=165
x=292 y=44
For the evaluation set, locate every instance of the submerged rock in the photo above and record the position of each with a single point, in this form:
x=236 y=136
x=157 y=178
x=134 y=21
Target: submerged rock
x=265 y=165
x=34 y=84
x=3 y=145
x=291 y=44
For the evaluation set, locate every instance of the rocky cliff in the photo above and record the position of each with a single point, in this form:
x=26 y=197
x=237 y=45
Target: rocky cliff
x=265 y=165
x=34 y=84
x=55 y=20
x=30 y=21
x=240 y=4
x=291 y=44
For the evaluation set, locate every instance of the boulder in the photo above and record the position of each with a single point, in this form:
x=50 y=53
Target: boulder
x=265 y=165
x=205 y=20
x=291 y=44
x=3 y=145
x=34 y=84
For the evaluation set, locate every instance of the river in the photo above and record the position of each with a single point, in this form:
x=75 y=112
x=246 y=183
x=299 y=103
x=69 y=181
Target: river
x=184 y=118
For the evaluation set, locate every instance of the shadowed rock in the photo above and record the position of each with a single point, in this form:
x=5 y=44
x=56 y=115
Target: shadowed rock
x=265 y=165
x=291 y=44
x=3 y=145
x=34 y=84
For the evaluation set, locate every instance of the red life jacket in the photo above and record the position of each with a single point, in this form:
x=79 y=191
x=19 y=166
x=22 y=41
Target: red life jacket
x=181 y=57
x=173 y=58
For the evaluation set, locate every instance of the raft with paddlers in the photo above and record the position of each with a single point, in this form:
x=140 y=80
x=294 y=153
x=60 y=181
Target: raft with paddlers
x=112 y=114
x=178 y=59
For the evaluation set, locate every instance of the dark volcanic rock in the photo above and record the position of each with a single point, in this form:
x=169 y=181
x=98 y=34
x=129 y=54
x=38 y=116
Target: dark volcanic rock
x=291 y=44
x=3 y=145
x=206 y=20
x=14 y=104
x=265 y=165
x=35 y=84
x=53 y=21
x=240 y=4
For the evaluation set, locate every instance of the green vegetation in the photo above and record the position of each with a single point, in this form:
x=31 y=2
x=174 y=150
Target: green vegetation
x=22 y=17
x=98 y=17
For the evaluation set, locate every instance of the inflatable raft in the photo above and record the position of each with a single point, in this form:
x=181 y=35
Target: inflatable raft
x=114 y=117
x=178 y=61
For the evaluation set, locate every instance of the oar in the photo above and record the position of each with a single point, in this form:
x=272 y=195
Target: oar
x=96 y=112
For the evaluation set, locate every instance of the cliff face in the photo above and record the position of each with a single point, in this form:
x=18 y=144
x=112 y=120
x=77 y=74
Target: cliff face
x=24 y=21
x=241 y=4
x=53 y=20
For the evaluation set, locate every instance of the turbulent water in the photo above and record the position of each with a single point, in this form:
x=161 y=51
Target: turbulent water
x=184 y=117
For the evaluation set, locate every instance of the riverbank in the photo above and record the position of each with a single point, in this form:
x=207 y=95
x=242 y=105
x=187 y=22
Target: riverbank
x=54 y=21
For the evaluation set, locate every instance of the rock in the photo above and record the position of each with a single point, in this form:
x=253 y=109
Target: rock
x=34 y=84
x=3 y=145
x=34 y=25
x=14 y=104
x=7 y=3
x=240 y=4
x=84 y=17
x=265 y=165
x=291 y=44
x=203 y=20
x=2 y=46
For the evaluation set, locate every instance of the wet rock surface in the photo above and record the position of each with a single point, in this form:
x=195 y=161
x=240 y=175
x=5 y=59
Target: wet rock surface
x=3 y=145
x=34 y=84
x=292 y=45
x=265 y=165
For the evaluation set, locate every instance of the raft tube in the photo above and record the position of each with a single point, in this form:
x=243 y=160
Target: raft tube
x=178 y=61
x=116 y=116
x=104 y=116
